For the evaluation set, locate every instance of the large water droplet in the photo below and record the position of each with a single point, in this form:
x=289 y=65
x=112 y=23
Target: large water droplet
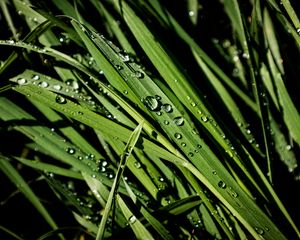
x=179 y=121
x=57 y=87
x=152 y=103
x=222 y=184
x=35 y=77
x=44 y=84
x=167 y=108
x=21 y=81
x=60 y=99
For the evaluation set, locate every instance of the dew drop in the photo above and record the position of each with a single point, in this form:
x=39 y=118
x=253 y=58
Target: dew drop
x=191 y=13
x=35 y=77
x=104 y=164
x=44 y=84
x=132 y=219
x=199 y=146
x=151 y=103
x=221 y=184
x=259 y=230
x=167 y=108
x=74 y=84
x=57 y=87
x=214 y=172
x=139 y=74
x=70 y=150
x=119 y=67
x=166 y=122
x=178 y=135
x=183 y=144
x=190 y=154
x=137 y=164
x=161 y=179
x=21 y=81
x=179 y=121
x=60 y=99
x=204 y=118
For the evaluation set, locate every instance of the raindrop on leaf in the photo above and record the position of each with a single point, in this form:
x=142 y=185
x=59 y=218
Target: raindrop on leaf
x=222 y=184
x=44 y=84
x=167 y=108
x=178 y=135
x=179 y=121
x=35 y=77
x=60 y=99
x=21 y=81
x=152 y=103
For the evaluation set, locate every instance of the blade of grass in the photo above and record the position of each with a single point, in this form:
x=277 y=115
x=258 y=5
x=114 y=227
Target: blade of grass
x=127 y=152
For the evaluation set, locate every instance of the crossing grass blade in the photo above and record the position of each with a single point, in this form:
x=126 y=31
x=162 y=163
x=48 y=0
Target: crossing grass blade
x=123 y=160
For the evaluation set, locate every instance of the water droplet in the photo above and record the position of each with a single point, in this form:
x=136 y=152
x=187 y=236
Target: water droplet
x=125 y=92
x=166 y=122
x=233 y=193
x=35 y=77
x=44 y=84
x=204 y=119
x=199 y=146
x=214 y=172
x=139 y=74
x=161 y=179
x=298 y=30
x=119 y=67
x=57 y=87
x=222 y=184
x=259 y=230
x=74 y=84
x=152 y=103
x=183 y=144
x=132 y=219
x=179 y=121
x=137 y=164
x=191 y=13
x=70 y=150
x=60 y=99
x=104 y=163
x=178 y=135
x=288 y=147
x=190 y=154
x=167 y=108
x=21 y=81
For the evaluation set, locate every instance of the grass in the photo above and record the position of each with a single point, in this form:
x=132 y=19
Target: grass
x=150 y=120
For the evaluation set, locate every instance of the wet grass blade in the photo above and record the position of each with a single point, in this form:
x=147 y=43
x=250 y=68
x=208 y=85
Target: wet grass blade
x=126 y=154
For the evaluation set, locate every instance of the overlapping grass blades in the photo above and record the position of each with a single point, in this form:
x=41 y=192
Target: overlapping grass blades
x=185 y=171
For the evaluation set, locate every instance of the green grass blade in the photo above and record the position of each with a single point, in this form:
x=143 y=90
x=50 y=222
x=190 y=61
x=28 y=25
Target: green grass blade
x=126 y=154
